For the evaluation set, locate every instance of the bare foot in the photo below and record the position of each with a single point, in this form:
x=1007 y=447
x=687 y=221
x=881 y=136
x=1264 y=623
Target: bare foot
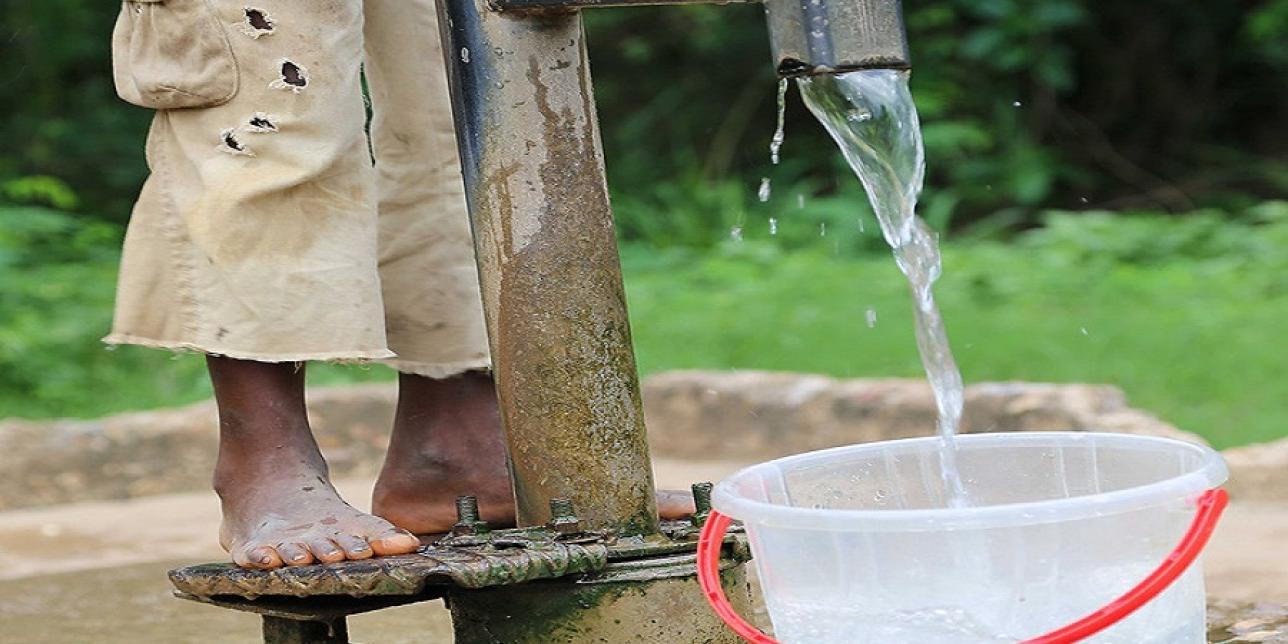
x=289 y=514
x=447 y=442
x=278 y=504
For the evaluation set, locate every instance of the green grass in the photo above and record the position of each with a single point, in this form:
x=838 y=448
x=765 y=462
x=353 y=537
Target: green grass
x=1185 y=314
x=1197 y=344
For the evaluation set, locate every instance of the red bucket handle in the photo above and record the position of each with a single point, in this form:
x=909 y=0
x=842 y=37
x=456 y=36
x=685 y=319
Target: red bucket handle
x=1210 y=505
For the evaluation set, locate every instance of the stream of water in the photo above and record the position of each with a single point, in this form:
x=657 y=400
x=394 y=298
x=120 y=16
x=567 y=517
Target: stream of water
x=871 y=116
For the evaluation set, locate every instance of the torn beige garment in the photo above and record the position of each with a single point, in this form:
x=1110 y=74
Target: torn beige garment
x=433 y=309
x=257 y=234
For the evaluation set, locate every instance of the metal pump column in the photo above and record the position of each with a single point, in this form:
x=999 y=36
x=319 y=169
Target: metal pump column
x=548 y=262
x=561 y=346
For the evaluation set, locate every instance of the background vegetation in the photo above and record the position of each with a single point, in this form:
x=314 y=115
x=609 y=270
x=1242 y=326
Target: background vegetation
x=1110 y=176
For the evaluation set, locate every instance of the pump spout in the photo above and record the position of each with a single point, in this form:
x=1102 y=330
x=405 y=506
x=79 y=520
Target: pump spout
x=833 y=36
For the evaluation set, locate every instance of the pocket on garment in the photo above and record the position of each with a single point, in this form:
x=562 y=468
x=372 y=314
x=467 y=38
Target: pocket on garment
x=172 y=54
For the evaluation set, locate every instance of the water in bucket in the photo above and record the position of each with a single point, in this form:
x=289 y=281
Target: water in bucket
x=863 y=543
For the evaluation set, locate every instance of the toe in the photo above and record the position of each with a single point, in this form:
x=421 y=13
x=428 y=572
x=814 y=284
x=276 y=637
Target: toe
x=260 y=558
x=394 y=541
x=354 y=547
x=325 y=550
x=294 y=554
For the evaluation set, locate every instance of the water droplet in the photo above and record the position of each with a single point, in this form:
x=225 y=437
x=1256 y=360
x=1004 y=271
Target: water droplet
x=1083 y=199
x=1084 y=331
x=499 y=85
x=1016 y=104
x=800 y=201
x=763 y=193
x=822 y=229
x=871 y=316
x=881 y=495
x=773 y=226
x=735 y=233
x=465 y=55
x=861 y=227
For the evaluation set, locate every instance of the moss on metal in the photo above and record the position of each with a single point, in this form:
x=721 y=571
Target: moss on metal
x=476 y=567
x=665 y=605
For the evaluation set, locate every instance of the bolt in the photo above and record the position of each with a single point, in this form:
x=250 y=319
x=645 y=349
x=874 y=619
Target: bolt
x=467 y=509
x=701 y=503
x=562 y=517
x=467 y=517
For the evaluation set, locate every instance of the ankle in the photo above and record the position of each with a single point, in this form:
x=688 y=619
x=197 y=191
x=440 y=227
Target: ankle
x=240 y=467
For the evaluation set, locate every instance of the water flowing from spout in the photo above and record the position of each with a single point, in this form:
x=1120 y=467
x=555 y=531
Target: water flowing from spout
x=776 y=143
x=871 y=116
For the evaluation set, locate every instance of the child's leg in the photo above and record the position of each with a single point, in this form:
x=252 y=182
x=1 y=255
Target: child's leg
x=256 y=238
x=446 y=442
x=278 y=503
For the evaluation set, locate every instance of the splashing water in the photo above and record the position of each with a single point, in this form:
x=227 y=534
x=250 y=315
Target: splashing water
x=871 y=116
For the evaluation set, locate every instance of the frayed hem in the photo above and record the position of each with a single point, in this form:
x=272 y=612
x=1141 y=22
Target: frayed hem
x=439 y=370
x=357 y=357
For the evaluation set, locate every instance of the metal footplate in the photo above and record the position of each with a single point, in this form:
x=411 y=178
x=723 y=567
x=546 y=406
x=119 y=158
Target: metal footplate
x=310 y=603
x=506 y=559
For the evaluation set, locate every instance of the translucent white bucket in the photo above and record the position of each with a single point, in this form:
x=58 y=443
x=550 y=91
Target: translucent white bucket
x=860 y=544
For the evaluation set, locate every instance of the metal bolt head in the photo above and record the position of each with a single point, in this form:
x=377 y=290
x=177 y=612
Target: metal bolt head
x=467 y=517
x=701 y=503
x=562 y=517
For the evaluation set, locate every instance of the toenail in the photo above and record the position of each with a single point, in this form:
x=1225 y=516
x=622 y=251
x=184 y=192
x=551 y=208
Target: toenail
x=297 y=558
x=265 y=559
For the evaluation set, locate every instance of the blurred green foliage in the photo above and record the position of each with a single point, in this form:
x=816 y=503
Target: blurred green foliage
x=61 y=117
x=1027 y=105
x=1158 y=104
x=1063 y=139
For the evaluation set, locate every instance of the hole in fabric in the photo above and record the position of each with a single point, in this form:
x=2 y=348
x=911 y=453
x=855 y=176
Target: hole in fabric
x=261 y=123
x=258 y=20
x=231 y=145
x=293 y=75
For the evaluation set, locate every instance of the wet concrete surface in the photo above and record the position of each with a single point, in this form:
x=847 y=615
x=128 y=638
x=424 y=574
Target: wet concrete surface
x=95 y=572
x=133 y=604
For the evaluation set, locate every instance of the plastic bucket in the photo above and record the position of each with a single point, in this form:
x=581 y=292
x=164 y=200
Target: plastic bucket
x=1066 y=536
